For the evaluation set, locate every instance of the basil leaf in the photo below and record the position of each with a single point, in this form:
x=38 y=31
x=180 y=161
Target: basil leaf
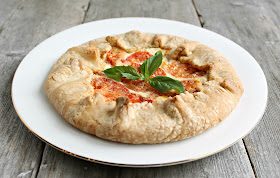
x=154 y=62
x=163 y=84
x=151 y=65
x=118 y=72
x=144 y=69
x=113 y=74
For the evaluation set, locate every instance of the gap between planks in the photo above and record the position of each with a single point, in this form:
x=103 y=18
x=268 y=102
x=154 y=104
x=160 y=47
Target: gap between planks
x=251 y=162
x=35 y=172
x=198 y=15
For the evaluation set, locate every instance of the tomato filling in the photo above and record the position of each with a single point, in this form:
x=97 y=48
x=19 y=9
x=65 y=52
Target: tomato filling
x=138 y=57
x=112 y=90
x=177 y=69
x=114 y=56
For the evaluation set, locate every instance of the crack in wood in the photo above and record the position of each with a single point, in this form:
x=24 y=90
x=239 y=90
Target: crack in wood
x=37 y=166
x=15 y=54
x=201 y=20
x=85 y=11
x=1 y=29
x=249 y=157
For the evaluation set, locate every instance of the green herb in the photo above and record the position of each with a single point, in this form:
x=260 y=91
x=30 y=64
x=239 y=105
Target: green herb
x=118 y=72
x=163 y=84
x=150 y=66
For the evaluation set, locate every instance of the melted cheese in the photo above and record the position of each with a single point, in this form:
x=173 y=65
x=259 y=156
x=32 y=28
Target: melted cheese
x=153 y=50
x=144 y=94
x=161 y=97
x=107 y=66
x=203 y=78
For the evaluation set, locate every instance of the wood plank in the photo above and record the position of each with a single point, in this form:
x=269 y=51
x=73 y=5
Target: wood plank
x=255 y=26
x=29 y=23
x=228 y=163
x=7 y=10
x=174 y=10
x=232 y=162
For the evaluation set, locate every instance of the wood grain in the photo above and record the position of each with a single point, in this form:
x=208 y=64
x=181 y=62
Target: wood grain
x=23 y=24
x=180 y=10
x=254 y=24
x=7 y=9
x=232 y=162
x=228 y=163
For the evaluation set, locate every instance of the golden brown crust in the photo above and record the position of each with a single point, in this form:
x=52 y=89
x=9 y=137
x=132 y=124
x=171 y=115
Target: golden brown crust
x=69 y=88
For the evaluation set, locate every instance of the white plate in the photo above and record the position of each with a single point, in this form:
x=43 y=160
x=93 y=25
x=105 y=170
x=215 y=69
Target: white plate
x=37 y=113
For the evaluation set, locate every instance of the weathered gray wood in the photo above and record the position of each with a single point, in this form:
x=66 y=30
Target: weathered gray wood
x=7 y=9
x=23 y=24
x=255 y=26
x=228 y=163
x=232 y=162
x=180 y=10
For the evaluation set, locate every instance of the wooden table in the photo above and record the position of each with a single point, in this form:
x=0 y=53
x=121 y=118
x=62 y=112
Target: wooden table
x=253 y=24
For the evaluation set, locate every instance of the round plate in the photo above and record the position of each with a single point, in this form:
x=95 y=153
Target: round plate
x=38 y=114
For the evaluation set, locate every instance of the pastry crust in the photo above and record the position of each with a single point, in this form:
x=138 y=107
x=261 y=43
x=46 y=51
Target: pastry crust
x=69 y=88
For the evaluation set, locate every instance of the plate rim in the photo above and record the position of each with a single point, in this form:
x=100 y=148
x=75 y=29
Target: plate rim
x=137 y=165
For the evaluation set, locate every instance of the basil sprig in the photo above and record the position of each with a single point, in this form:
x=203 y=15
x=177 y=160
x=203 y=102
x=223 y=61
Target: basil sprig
x=150 y=66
